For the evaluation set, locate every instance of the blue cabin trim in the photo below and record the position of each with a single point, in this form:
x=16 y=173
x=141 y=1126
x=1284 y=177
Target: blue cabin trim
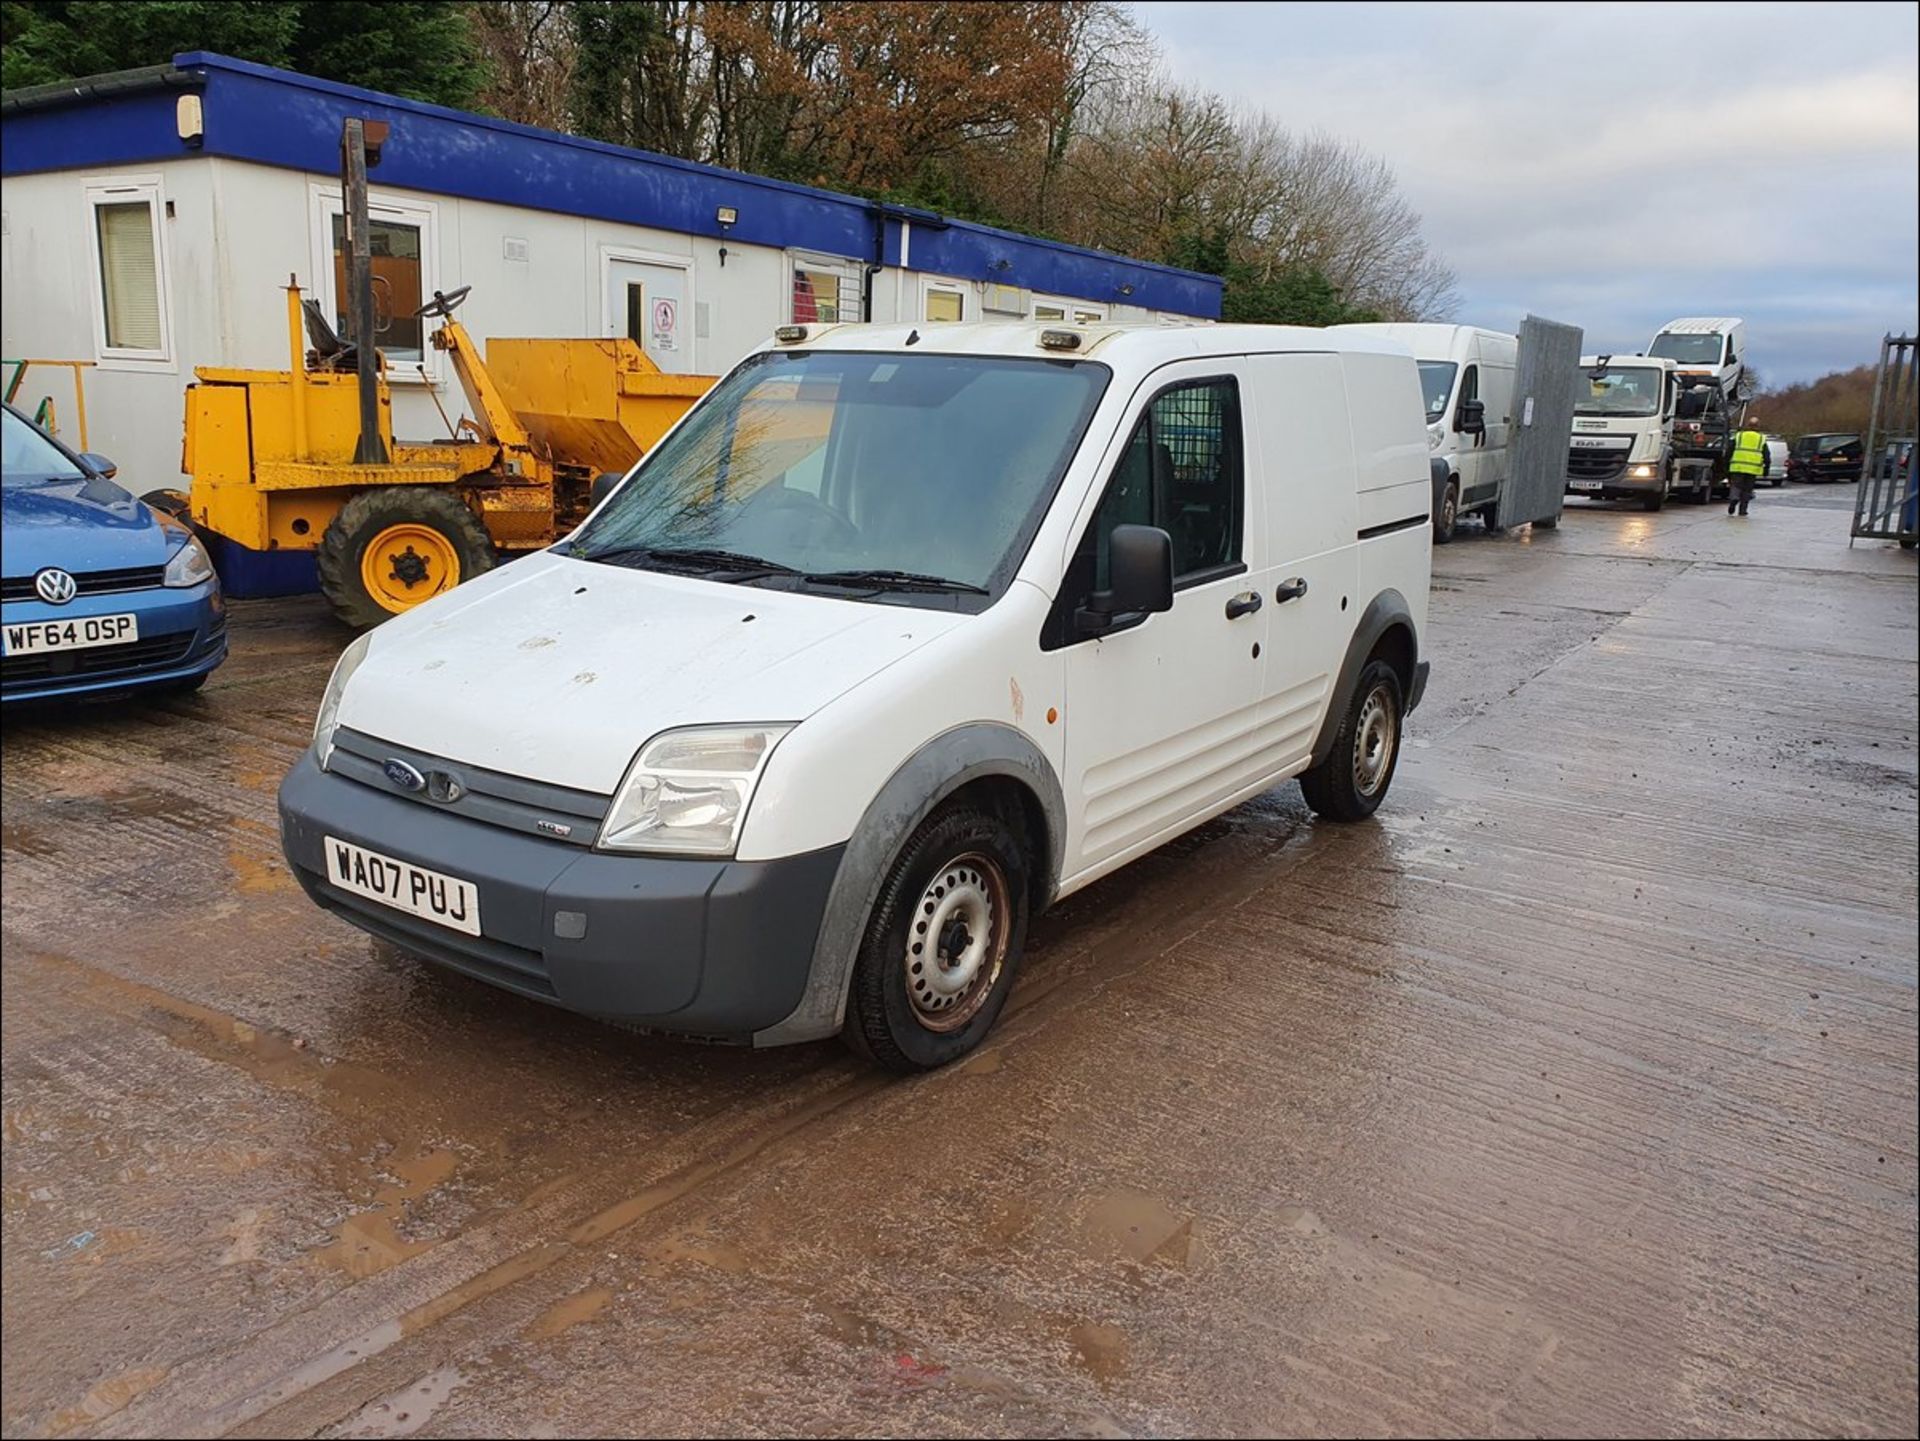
x=275 y=117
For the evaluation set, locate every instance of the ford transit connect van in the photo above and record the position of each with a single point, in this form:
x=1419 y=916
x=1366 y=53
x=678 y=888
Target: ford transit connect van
x=899 y=636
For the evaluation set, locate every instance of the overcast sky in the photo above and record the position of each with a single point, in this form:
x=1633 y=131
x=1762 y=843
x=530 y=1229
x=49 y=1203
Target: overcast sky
x=1618 y=165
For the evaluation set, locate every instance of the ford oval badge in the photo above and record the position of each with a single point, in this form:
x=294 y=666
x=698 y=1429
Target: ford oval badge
x=405 y=776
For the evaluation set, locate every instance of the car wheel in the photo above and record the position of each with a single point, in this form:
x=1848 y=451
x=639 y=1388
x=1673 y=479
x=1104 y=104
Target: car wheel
x=1353 y=779
x=392 y=548
x=1449 y=514
x=943 y=943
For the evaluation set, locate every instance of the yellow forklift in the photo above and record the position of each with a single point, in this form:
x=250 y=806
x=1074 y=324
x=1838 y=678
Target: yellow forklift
x=303 y=460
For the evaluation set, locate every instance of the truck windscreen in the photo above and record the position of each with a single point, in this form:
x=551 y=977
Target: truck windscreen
x=1620 y=390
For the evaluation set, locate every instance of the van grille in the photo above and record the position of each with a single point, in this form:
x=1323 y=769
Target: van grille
x=553 y=813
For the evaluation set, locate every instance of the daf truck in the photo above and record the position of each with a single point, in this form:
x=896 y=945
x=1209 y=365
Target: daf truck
x=1644 y=429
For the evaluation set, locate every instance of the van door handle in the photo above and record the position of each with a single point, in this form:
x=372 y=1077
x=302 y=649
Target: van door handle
x=1245 y=603
x=1290 y=590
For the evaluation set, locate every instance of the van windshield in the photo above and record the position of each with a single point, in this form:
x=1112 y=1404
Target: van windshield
x=1436 y=379
x=1619 y=390
x=1686 y=349
x=884 y=473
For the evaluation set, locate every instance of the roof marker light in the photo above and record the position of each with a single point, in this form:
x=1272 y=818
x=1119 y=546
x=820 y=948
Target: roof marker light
x=1059 y=340
x=790 y=334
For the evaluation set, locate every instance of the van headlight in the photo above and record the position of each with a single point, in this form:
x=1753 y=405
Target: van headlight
x=687 y=791
x=325 y=723
x=190 y=565
x=1436 y=434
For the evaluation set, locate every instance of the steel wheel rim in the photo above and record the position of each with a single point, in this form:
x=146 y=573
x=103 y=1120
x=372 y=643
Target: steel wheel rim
x=1449 y=507
x=1374 y=738
x=406 y=564
x=957 y=942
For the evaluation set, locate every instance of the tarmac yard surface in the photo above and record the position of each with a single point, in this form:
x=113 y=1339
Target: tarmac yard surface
x=1576 y=1093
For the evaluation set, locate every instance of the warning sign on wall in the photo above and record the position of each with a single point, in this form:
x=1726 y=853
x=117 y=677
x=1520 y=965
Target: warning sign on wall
x=666 y=325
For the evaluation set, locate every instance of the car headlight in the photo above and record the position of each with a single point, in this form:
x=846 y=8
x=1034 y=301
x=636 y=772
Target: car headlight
x=1643 y=471
x=190 y=565
x=687 y=791
x=325 y=723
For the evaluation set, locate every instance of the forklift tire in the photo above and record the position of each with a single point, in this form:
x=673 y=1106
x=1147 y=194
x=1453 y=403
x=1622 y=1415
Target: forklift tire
x=391 y=548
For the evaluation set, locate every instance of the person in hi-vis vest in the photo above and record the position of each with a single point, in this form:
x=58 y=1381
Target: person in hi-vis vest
x=1748 y=464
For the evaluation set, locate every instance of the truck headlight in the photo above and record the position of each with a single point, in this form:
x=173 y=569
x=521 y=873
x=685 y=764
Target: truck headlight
x=190 y=565
x=1643 y=471
x=687 y=791
x=329 y=717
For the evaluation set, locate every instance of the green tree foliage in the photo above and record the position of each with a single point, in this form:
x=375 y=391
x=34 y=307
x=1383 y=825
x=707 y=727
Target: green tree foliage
x=1266 y=294
x=415 y=48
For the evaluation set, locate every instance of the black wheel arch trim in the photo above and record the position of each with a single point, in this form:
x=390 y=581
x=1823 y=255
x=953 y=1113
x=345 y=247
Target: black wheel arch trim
x=1384 y=612
x=953 y=759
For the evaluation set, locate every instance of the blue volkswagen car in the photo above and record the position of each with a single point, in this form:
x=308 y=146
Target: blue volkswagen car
x=99 y=592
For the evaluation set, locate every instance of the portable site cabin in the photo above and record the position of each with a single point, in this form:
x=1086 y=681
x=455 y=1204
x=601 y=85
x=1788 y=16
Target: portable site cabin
x=150 y=219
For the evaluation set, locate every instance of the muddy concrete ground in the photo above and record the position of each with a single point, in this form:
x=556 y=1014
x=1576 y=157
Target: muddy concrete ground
x=1576 y=1093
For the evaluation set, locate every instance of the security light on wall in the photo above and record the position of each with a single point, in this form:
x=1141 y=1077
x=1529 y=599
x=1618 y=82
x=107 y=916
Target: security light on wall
x=726 y=215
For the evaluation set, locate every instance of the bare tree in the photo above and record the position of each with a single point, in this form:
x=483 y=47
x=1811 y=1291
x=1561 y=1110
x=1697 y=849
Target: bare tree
x=528 y=46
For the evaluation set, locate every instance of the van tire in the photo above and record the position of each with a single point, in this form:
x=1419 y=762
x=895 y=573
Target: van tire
x=1334 y=788
x=981 y=856
x=448 y=530
x=1448 y=516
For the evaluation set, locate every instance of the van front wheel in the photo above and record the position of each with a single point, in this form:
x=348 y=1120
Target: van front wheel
x=942 y=944
x=1353 y=779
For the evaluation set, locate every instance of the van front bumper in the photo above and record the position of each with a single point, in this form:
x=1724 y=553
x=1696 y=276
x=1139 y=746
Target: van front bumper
x=710 y=947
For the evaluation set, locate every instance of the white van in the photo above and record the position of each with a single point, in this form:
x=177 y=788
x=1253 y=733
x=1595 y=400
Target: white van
x=900 y=635
x=1714 y=345
x=1466 y=375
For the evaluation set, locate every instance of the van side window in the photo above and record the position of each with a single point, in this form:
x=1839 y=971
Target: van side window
x=1469 y=389
x=1184 y=471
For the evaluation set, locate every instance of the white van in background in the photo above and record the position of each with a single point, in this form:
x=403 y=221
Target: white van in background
x=1713 y=345
x=899 y=635
x=1466 y=378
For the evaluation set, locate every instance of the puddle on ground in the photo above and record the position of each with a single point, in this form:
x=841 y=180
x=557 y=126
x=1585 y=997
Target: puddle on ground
x=366 y=1243
x=256 y=874
x=1100 y=1349
x=1141 y=1226
x=105 y=1398
x=26 y=841
x=564 y=1315
x=406 y=1410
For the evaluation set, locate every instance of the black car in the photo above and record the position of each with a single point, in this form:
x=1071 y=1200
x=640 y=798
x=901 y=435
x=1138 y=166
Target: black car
x=1896 y=459
x=1837 y=455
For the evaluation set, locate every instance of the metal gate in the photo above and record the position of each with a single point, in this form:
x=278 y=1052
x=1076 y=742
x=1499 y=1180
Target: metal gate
x=1885 y=505
x=1546 y=377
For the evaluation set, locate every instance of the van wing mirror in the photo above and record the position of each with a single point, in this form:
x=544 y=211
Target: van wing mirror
x=1473 y=417
x=603 y=486
x=1140 y=577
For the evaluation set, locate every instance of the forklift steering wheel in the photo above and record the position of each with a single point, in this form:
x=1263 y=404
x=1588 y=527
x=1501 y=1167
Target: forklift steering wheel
x=442 y=304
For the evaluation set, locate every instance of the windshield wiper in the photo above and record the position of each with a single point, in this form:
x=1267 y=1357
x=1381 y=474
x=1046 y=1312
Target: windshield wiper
x=694 y=558
x=894 y=580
